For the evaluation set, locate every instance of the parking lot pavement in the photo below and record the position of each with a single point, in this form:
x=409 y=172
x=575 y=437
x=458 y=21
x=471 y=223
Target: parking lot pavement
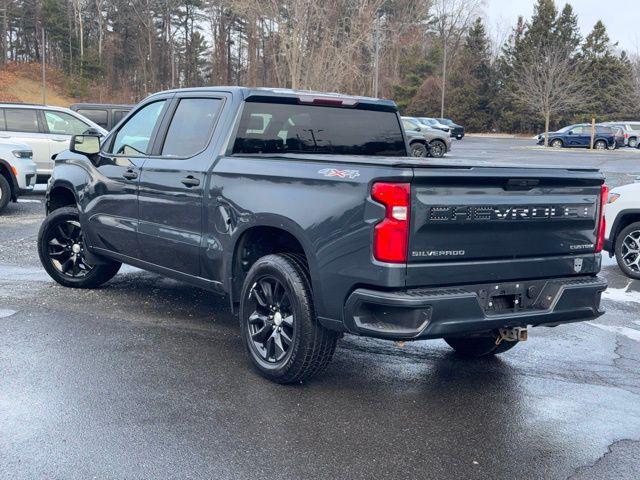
x=620 y=166
x=146 y=378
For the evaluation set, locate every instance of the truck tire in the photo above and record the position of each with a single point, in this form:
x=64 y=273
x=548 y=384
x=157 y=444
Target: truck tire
x=281 y=333
x=437 y=149
x=628 y=241
x=5 y=193
x=61 y=250
x=419 y=149
x=476 y=346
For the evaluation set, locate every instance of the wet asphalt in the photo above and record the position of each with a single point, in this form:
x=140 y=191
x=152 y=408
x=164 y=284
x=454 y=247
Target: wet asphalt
x=146 y=378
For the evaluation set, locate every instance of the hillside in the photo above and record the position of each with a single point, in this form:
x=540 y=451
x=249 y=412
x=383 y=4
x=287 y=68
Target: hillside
x=21 y=82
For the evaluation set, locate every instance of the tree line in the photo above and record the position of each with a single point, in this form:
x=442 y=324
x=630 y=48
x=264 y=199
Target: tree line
x=430 y=56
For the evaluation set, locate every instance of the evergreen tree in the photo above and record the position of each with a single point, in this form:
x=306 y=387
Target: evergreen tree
x=608 y=76
x=473 y=82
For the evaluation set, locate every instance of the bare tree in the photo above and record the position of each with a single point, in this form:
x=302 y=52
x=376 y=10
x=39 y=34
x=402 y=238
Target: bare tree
x=452 y=21
x=551 y=85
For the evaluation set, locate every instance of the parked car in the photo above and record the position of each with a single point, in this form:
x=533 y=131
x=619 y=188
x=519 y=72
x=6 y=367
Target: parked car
x=457 y=131
x=317 y=222
x=619 y=136
x=107 y=115
x=433 y=123
x=579 y=135
x=45 y=129
x=17 y=171
x=425 y=141
x=631 y=132
x=622 y=236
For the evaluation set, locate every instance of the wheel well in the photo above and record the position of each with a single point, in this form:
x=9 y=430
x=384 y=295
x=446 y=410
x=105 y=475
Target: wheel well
x=622 y=223
x=255 y=243
x=417 y=140
x=61 y=197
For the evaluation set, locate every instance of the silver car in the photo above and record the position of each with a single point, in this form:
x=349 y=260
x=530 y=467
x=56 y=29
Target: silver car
x=17 y=171
x=436 y=144
x=46 y=130
x=631 y=131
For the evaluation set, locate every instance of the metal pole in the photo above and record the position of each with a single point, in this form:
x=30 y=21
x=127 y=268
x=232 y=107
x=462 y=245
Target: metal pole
x=444 y=74
x=376 y=57
x=44 y=73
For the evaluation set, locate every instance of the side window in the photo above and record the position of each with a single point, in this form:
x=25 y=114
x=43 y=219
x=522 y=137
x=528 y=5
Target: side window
x=118 y=115
x=98 y=116
x=21 y=120
x=190 y=127
x=64 y=124
x=577 y=130
x=134 y=136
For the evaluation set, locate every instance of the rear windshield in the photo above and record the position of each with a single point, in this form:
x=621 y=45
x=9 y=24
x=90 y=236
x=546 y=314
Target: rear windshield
x=292 y=128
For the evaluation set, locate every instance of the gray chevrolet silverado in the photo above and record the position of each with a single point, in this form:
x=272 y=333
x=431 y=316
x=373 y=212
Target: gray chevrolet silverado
x=307 y=211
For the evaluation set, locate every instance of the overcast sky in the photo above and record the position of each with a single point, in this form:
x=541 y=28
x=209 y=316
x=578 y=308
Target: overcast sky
x=621 y=17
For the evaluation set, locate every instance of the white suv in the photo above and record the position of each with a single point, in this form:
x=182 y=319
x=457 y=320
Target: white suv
x=17 y=171
x=622 y=236
x=47 y=130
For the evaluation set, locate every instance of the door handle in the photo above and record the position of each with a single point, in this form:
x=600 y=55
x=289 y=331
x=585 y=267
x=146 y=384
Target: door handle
x=190 y=181
x=130 y=175
x=59 y=139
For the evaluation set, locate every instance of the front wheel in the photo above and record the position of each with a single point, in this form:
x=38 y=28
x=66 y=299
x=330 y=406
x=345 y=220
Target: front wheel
x=627 y=250
x=5 y=192
x=437 y=148
x=633 y=142
x=61 y=247
x=557 y=143
x=481 y=345
x=283 y=338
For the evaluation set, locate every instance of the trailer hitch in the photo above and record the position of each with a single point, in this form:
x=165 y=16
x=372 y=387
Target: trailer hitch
x=515 y=334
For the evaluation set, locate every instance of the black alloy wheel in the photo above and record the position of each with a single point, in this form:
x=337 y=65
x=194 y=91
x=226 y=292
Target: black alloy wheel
x=65 y=249
x=272 y=323
x=63 y=252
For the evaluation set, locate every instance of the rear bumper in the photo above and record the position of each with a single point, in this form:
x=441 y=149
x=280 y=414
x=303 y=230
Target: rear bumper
x=442 y=312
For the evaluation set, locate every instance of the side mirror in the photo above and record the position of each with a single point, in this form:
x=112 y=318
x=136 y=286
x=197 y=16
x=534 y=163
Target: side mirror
x=85 y=144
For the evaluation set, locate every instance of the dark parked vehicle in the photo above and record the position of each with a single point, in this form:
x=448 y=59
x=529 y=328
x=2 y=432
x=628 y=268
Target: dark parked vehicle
x=306 y=210
x=580 y=136
x=457 y=131
x=104 y=114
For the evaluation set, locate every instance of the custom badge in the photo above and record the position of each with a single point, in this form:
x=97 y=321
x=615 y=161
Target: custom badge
x=334 y=172
x=577 y=265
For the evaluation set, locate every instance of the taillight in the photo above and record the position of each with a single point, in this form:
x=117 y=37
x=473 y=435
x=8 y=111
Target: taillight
x=602 y=224
x=391 y=235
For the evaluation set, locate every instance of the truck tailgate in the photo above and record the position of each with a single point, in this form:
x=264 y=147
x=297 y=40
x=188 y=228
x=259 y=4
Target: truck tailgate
x=493 y=214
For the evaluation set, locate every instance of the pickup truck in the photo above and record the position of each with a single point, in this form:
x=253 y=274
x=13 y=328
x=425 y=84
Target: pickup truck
x=308 y=212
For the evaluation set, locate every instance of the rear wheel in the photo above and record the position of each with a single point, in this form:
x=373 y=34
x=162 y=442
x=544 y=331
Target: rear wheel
x=61 y=248
x=5 y=193
x=419 y=149
x=556 y=143
x=437 y=148
x=627 y=250
x=481 y=345
x=600 y=145
x=633 y=142
x=283 y=338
